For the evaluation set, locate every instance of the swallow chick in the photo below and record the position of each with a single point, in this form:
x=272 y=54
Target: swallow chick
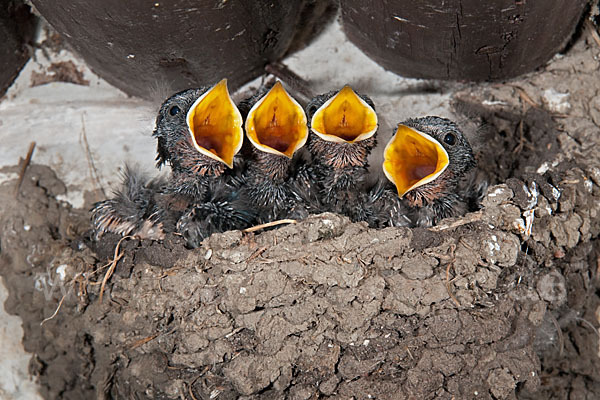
x=344 y=126
x=276 y=127
x=131 y=209
x=426 y=160
x=199 y=132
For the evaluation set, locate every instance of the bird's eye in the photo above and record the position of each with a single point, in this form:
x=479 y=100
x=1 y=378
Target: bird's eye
x=174 y=110
x=449 y=139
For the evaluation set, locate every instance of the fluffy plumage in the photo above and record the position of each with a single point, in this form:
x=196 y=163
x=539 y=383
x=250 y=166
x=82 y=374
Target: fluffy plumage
x=174 y=143
x=131 y=210
x=452 y=193
x=273 y=184
x=383 y=208
x=339 y=170
x=221 y=210
x=200 y=197
x=207 y=189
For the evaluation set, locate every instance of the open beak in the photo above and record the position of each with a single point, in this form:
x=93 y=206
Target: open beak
x=215 y=124
x=277 y=124
x=344 y=118
x=412 y=159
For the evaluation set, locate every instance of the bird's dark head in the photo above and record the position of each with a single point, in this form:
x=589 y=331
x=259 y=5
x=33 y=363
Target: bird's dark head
x=426 y=158
x=199 y=130
x=344 y=124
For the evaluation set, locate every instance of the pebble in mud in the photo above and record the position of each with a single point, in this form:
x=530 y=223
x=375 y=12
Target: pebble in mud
x=552 y=288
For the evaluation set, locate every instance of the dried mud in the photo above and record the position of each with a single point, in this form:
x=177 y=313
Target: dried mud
x=499 y=304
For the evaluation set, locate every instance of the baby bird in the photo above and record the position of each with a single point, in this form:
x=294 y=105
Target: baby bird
x=344 y=126
x=276 y=127
x=199 y=132
x=131 y=210
x=426 y=160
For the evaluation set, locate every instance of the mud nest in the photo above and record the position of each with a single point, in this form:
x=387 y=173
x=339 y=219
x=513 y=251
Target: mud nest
x=498 y=304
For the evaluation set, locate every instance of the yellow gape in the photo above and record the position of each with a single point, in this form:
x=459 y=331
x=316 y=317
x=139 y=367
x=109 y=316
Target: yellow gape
x=412 y=159
x=277 y=124
x=215 y=124
x=344 y=118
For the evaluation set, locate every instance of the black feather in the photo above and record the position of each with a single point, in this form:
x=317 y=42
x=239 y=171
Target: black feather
x=221 y=210
x=268 y=178
x=450 y=194
x=130 y=207
x=339 y=170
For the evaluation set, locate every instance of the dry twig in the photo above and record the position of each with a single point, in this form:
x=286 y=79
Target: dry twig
x=448 y=282
x=190 y=392
x=24 y=166
x=525 y=97
x=521 y=144
x=593 y=31
x=269 y=224
x=561 y=340
x=467 y=219
x=55 y=312
x=88 y=154
x=113 y=265
x=191 y=385
x=256 y=254
x=142 y=341
x=589 y=325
